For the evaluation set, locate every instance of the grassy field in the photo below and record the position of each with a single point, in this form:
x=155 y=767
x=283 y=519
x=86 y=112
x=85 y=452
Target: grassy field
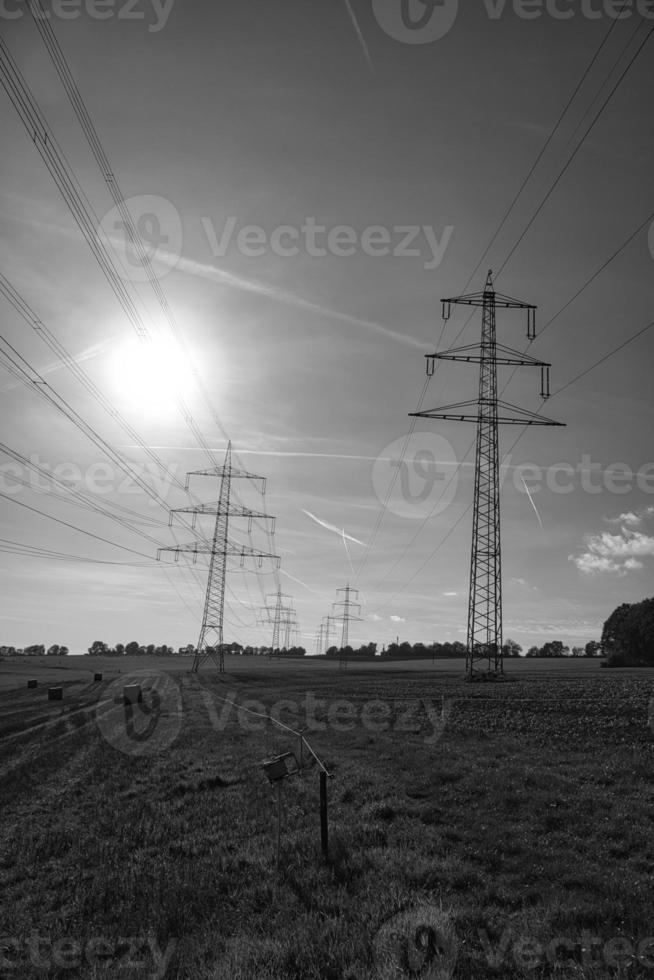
x=497 y=830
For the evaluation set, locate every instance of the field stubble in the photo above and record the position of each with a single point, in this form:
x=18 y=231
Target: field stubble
x=521 y=812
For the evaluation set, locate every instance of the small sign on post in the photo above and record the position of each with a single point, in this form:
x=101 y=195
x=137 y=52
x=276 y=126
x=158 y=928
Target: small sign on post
x=278 y=769
x=324 y=828
x=132 y=694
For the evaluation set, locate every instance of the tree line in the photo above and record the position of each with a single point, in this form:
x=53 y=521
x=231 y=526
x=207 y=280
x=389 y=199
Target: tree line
x=628 y=635
x=134 y=649
x=35 y=650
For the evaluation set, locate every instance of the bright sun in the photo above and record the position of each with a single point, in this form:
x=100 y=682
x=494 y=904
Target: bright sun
x=151 y=374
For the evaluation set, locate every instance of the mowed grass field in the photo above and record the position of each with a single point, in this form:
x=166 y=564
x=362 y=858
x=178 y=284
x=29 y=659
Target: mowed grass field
x=491 y=830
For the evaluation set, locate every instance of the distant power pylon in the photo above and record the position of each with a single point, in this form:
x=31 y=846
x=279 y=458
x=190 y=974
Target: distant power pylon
x=278 y=614
x=219 y=550
x=350 y=614
x=484 y=640
x=325 y=631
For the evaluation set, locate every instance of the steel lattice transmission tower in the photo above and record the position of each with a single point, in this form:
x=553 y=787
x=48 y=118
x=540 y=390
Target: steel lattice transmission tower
x=350 y=614
x=324 y=634
x=220 y=549
x=283 y=618
x=484 y=634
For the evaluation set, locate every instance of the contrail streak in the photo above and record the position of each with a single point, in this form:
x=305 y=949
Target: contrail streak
x=531 y=500
x=331 y=527
x=299 y=581
x=362 y=40
x=224 y=278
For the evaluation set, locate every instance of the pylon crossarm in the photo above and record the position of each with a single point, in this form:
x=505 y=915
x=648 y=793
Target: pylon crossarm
x=452 y=413
x=477 y=299
x=526 y=417
x=226 y=471
x=473 y=354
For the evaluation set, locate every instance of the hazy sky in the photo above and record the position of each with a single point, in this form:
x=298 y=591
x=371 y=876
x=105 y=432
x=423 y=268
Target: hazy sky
x=296 y=118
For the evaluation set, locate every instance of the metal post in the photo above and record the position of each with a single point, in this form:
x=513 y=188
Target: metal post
x=279 y=818
x=324 y=829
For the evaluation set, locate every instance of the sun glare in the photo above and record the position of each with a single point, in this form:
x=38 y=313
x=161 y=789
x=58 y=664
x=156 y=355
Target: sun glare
x=151 y=375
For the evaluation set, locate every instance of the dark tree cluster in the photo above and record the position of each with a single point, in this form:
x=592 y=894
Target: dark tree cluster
x=35 y=650
x=556 y=648
x=422 y=651
x=628 y=635
x=367 y=652
x=134 y=649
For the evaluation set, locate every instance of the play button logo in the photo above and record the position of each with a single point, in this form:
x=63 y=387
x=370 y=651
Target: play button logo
x=416 y=21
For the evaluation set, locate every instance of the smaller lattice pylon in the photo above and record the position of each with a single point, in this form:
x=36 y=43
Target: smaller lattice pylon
x=350 y=614
x=219 y=549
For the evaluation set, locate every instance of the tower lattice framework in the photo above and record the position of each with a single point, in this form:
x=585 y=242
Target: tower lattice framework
x=484 y=628
x=219 y=549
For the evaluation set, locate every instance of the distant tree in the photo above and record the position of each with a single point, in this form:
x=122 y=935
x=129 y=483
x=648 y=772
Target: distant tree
x=120 y=650
x=593 y=649
x=98 y=648
x=35 y=650
x=577 y=651
x=554 y=648
x=132 y=649
x=534 y=651
x=63 y=651
x=53 y=651
x=628 y=635
x=511 y=648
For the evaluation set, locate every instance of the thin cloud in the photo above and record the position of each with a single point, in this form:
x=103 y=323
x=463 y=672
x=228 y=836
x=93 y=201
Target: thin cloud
x=359 y=34
x=531 y=500
x=614 y=553
x=257 y=288
x=332 y=527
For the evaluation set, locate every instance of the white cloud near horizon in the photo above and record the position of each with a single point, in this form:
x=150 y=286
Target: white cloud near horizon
x=616 y=553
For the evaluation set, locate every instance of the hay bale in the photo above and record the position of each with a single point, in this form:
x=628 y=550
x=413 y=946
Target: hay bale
x=97 y=677
x=55 y=694
x=132 y=694
x=32 y=683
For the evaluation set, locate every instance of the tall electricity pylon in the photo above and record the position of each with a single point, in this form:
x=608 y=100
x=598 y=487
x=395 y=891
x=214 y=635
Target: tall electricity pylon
x=347 y=616
x=219 y=550
x=326 y=628
x=278 y=615
x=484 y=638
x=283 y=619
